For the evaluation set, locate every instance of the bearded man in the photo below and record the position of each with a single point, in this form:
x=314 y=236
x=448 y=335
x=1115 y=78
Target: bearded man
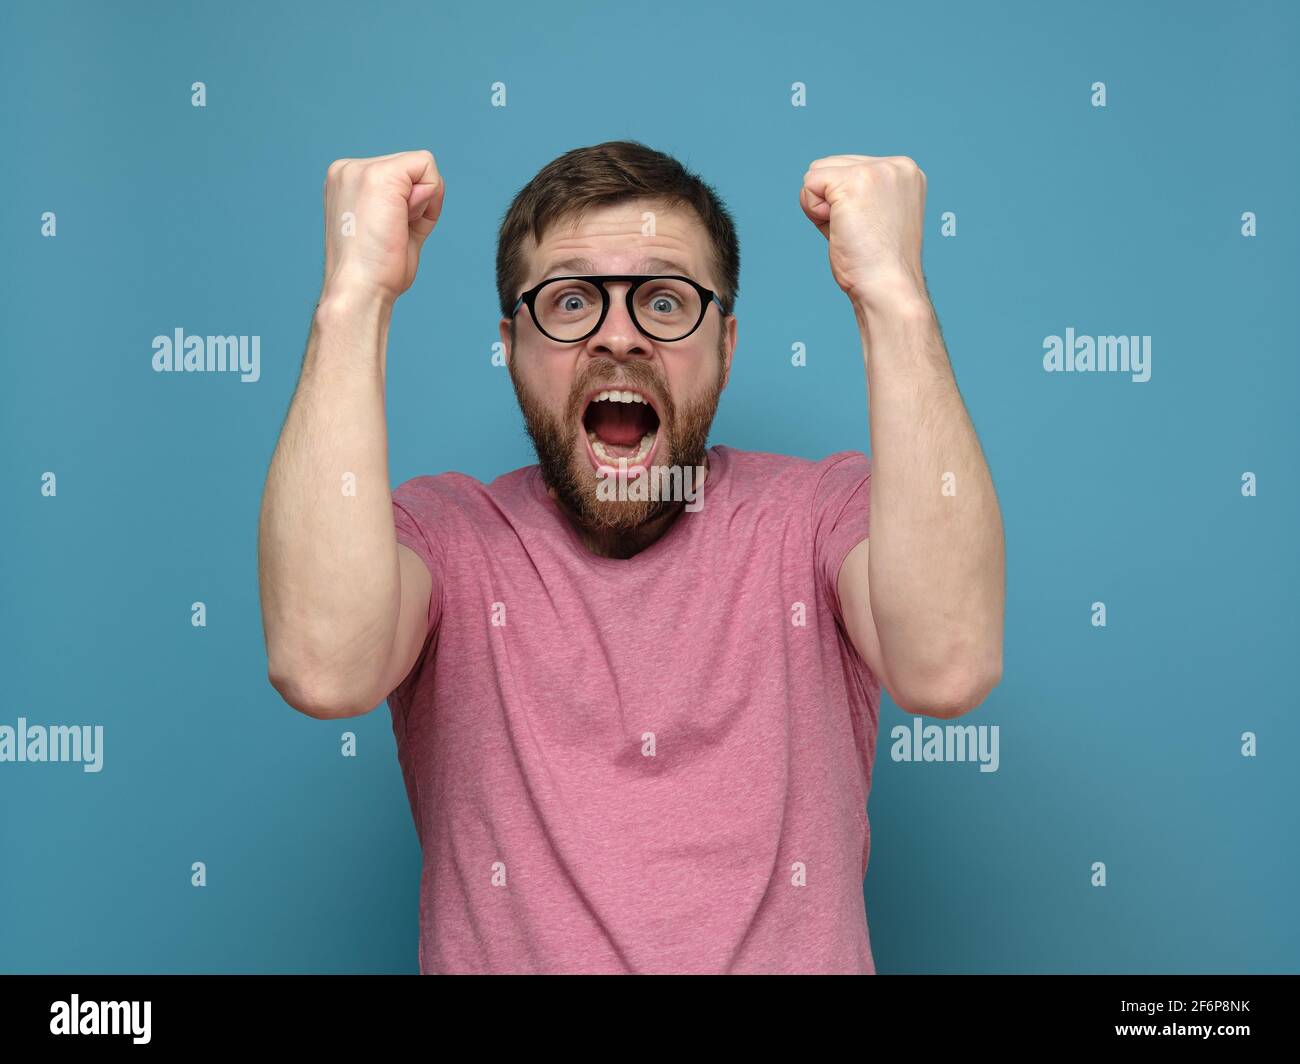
x=635 y=687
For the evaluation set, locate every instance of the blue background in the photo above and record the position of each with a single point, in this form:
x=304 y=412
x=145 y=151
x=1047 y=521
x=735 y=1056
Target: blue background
x=1119 y=744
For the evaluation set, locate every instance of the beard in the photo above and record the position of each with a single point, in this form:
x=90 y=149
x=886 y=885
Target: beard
x=682 y=438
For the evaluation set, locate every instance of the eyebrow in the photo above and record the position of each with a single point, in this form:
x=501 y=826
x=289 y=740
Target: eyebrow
x=581 y=265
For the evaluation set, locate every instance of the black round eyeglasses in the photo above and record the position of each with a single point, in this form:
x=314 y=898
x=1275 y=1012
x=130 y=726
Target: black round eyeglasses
x=664 y=307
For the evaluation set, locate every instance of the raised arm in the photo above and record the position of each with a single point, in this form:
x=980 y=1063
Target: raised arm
x=924 y=598
x=344 y=606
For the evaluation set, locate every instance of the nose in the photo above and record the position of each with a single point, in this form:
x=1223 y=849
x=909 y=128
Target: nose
x=618 y=336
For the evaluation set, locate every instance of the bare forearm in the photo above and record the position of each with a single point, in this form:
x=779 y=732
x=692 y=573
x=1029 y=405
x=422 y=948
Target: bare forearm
x=327 y=552
x=936 y=564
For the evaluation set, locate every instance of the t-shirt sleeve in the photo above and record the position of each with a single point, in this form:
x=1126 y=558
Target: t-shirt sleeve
x=414 y=516
x=841 y=511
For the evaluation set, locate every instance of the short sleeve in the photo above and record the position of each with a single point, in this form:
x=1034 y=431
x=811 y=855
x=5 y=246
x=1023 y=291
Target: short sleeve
x=414 y=510
x=841 y=511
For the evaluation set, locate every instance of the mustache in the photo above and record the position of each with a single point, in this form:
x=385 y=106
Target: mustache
x=605 y=372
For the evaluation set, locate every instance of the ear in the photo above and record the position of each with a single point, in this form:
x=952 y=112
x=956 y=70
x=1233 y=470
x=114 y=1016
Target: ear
x=504 y=327
x=729 y=341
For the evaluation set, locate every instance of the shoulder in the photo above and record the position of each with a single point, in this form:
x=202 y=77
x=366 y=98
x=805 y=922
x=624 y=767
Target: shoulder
x=422 y=492
x=441 y=497
x=786 y=475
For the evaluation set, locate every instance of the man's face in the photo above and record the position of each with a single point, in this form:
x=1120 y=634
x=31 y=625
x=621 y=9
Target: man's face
x=578 y=435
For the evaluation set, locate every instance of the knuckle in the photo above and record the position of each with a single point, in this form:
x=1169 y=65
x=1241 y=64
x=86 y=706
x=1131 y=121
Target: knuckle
x=371 y=175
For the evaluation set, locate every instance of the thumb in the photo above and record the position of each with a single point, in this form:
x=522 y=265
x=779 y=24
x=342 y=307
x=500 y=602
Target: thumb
x=418 y=200
x=817 y=210
x=425 y=207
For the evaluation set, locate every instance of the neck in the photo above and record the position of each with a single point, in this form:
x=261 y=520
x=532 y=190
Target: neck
x=622 y=543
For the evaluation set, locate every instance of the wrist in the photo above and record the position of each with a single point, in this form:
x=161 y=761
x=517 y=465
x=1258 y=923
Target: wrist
x=350 y=328
x=353 y=302
x=897 y=298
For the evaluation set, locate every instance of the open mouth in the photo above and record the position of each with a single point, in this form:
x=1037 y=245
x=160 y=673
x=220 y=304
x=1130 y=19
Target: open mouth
x=621 y=426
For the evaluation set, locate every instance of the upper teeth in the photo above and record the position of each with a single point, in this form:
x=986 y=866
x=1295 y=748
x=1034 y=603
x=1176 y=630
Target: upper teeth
x=619 y=397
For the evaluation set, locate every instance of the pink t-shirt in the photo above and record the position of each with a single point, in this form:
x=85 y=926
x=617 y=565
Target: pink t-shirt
x=652 y=765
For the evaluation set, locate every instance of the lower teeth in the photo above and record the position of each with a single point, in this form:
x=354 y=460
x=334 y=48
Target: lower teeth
x=642 y=452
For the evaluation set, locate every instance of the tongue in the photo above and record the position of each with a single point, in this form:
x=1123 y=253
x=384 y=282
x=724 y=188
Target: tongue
x=617 y=424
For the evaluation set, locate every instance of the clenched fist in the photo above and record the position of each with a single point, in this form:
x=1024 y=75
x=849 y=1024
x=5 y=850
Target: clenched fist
x=378 y=213
x=872 y=211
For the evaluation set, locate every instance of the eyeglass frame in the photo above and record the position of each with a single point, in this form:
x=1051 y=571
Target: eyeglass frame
x=707 y=296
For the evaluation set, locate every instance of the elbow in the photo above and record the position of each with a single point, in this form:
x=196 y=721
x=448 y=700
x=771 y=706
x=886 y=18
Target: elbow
x=953 y=694
x=318 y=699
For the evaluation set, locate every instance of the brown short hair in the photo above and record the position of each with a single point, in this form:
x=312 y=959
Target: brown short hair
x=602 y=175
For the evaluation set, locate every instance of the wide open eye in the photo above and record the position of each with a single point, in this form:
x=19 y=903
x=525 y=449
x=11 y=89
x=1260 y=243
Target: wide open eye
x=567 y=309
x=665 y=306
x=572 y=298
